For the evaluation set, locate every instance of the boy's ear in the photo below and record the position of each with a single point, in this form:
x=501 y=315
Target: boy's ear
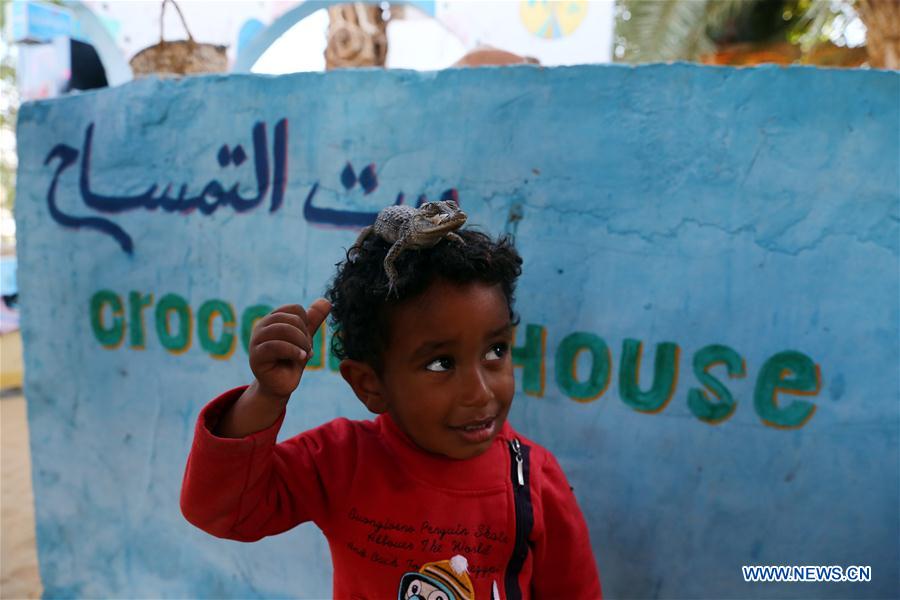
x=365 y=383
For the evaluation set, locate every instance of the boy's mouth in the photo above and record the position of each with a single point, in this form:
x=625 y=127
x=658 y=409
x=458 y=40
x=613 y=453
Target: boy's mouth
x=477 y=431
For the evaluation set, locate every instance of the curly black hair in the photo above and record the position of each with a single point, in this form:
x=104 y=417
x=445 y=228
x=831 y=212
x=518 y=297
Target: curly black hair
x=359 y=297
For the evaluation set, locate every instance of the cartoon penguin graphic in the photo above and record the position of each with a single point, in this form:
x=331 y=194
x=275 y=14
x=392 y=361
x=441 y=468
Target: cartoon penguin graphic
x=441 y=580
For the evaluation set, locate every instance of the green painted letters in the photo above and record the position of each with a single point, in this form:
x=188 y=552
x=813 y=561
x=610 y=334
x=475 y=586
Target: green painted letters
x=180 y=341
x=698 y=400
x=665 y=376
x=137 y=302
x=788 y=372
x=601 y=359
x=109 y=337
x=224 y=346
x=531 y=358
x=773 y=379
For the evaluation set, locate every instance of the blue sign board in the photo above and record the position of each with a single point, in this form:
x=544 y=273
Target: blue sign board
x=709 y=325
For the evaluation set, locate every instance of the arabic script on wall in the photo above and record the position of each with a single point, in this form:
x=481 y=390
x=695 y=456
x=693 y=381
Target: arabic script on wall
x=270 y=172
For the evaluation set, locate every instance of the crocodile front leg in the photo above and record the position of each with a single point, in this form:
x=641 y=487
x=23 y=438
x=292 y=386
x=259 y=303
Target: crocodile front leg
x=389 y=267
x=456 y=238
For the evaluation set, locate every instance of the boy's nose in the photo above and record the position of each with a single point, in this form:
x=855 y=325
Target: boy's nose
x=476 y=389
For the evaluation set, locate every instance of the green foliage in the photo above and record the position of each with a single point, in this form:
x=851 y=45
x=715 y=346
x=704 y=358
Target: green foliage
x=667 y=30
x=661 y=30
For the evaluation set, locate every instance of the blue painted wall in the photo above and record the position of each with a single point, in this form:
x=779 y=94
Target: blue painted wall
x=755 y=209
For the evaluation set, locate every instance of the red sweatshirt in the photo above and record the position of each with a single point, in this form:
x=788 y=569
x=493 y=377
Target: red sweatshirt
x=400 y=522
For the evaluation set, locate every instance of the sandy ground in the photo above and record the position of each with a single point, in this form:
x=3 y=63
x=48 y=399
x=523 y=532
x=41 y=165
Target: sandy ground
x=19 y=576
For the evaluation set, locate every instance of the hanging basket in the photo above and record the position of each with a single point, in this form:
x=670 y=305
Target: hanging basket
x=181 y=57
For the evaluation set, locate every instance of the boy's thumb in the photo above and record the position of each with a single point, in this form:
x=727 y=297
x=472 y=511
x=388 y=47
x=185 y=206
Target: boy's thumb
x=316 y=313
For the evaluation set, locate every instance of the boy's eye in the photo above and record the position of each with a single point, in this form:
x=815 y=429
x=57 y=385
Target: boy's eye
x=497 y=351
x=440 y=364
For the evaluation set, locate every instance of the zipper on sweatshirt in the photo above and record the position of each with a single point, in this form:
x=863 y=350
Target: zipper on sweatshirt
x=519 y=473
x=520 y=462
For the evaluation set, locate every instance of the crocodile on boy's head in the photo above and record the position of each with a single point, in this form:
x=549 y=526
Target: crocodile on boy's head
x=408 y=227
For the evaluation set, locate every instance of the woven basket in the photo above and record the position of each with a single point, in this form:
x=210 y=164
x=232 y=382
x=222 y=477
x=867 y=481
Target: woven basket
x=181 y=57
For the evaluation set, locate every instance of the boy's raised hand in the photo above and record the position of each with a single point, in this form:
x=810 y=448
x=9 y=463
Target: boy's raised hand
x=281 y=345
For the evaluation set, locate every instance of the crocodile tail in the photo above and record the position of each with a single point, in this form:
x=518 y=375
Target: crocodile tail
x=357 y=246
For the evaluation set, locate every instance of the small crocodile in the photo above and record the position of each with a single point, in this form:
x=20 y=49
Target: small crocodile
x=407 y=227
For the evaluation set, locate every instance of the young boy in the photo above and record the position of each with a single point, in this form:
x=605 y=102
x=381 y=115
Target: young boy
x=438 y=498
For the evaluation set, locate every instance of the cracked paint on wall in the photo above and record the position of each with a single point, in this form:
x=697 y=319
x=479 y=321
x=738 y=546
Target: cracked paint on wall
x=706 y=250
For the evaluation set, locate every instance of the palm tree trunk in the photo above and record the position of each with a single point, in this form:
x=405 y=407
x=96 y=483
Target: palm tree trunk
x=882 y=21
x=357 y=36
